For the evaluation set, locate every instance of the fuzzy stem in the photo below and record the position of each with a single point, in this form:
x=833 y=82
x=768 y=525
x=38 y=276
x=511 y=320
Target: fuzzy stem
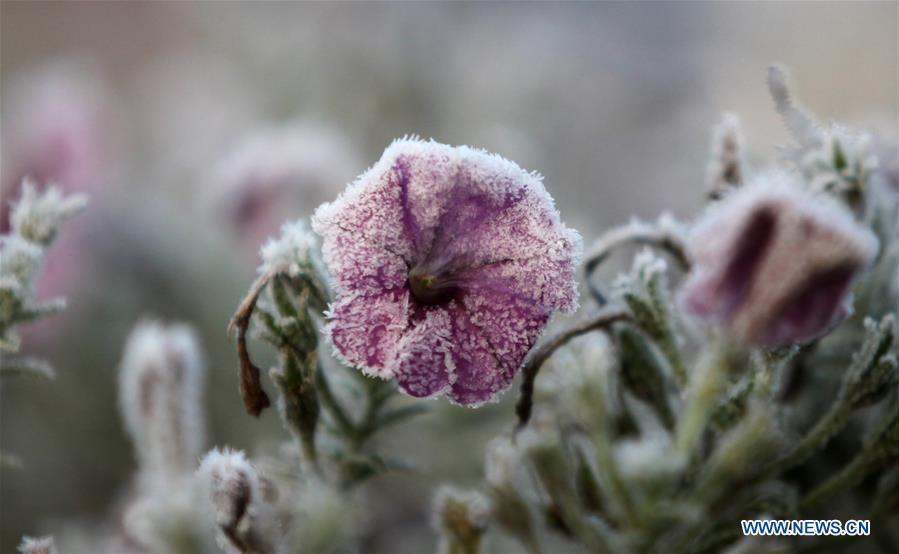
x=707 y=385
x=834 y=420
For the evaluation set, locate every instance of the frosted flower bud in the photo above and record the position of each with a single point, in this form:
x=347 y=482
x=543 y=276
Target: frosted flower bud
x=160 y=382
x=236 y=495
x=447 y=263
x=37 y=216
x=461 y=518
x=37 y=545
x=774 y=263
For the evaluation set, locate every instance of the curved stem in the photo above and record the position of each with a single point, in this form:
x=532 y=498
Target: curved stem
x=542 y=353
x=814 y=440
x=848 y=476
x=639 y=233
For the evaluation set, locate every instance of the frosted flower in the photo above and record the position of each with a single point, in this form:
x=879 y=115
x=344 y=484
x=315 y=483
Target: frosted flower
x=160 y=383
x=774 y=263
x=447 y=263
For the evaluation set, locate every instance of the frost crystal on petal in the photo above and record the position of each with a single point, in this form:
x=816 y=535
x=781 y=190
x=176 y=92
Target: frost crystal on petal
x=775 y=263
x=447 y=263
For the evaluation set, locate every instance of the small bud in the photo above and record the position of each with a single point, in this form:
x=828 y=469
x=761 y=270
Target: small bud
x=726 y=167
x=160 y=381
x=234 y=489
x=461 y=518
x=37 y=545
x=36 y=217
x=774 y=263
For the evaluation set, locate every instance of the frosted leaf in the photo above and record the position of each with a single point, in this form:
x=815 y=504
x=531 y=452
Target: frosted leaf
x=37 y=216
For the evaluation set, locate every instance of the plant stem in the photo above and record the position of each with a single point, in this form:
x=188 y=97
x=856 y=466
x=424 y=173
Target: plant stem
x=331 y=403
x=539 y=355
x=847 y=477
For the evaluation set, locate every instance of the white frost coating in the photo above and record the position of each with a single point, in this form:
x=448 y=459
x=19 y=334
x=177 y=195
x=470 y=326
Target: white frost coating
x=231 y=483
x=160 y=382
x=291 y=249
x=37 y=216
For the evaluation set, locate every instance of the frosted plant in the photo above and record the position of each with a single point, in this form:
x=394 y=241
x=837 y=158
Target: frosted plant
x=743 y=367
x=447 y=263
x=36 y=219
x=792 y=273
x=160 y=394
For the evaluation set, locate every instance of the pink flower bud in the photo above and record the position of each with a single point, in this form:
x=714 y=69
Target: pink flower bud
x=774 y=263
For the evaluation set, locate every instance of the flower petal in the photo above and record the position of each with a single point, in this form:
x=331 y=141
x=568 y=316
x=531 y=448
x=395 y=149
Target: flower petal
x=365 y=329
x=480 y=377
x=423 y=364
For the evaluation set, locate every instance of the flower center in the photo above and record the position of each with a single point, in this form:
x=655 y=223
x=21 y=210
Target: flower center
x=429 y=288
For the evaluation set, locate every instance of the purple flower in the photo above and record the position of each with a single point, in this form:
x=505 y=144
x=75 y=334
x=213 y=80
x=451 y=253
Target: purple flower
x=447 y=263
x=775 y=263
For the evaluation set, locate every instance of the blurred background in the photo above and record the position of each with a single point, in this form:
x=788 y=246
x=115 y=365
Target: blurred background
x=196 y=129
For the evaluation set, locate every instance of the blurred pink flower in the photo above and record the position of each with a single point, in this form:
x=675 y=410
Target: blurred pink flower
x=775 y=263
x=270 y=176
x=447 y=263
x=56 y=132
